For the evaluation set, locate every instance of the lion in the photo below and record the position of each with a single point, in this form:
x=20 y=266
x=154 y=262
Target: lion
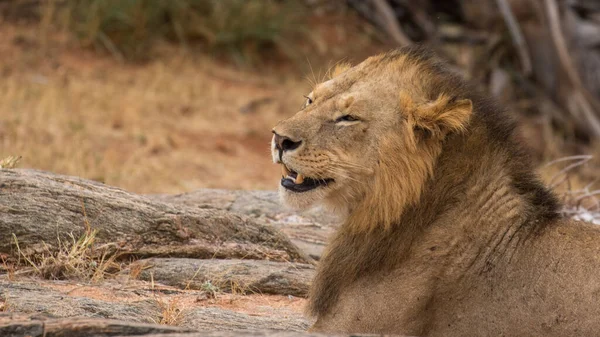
x=446 y=229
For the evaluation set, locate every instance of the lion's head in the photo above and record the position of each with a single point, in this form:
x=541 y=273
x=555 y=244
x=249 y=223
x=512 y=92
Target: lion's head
x=366 y=140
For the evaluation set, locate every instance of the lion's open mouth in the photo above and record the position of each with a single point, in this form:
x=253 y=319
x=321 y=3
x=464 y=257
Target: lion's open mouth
x=297 y=182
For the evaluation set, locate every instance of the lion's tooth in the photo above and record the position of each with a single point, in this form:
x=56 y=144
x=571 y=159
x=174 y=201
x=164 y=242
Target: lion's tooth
x=299 y=179
x=285 y=171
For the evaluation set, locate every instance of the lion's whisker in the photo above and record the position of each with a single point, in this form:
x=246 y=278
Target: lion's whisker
x=339 y=172
x=351 y=165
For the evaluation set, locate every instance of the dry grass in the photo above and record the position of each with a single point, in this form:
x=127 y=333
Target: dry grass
x=180 y=122
x=170 y=126
x=9 y=162
x=170 y=306
x=78 y=258
x=217 y=283
x=171 y=311
x=135 y=270
x=7 y=267
x=4 y=307
x=221 y=283
x=174 y=124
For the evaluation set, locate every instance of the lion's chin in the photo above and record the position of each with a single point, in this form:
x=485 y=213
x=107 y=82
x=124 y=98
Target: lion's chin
x=301 y=200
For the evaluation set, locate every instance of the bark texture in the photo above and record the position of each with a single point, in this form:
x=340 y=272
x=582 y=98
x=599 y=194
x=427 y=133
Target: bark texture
x=20 y=325
x=309 y=230
x=243 y=276
x=39 y=207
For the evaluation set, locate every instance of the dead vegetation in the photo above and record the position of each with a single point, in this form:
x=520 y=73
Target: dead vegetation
x=76 y=259
x=538 y=57
x=178 y=122
x=4 y=307
x=9 y=162
x=580 y=200
x=171 y=311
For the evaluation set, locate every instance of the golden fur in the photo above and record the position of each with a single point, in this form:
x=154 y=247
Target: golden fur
x=381 y=198
x=446 y=229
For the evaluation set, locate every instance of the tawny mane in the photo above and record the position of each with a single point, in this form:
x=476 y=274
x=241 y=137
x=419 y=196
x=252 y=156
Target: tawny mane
x=459 y=142
x=436 y=104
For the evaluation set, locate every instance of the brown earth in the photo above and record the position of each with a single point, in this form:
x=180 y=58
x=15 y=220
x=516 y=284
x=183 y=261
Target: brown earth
x=144 y=302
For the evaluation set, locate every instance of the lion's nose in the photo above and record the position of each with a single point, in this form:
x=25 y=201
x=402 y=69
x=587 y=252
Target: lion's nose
x=284 y=143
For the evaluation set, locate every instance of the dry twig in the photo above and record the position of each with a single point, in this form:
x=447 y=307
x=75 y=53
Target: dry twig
x=588 y=105
x=517 y=35
x=390 y=24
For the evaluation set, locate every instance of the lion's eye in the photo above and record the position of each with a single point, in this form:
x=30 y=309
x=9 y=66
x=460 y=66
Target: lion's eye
x=308 y=100
x=346 y=118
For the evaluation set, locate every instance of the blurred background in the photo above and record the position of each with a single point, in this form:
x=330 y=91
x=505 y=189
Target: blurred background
x=159 y=96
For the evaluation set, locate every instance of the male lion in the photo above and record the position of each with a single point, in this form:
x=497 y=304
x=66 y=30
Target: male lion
x=447 y=231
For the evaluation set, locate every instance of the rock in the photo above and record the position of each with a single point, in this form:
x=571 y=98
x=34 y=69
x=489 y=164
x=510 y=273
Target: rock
x=216 y=319
x=309 y=230
x=32 y=299
x=15 y=325
x=256 y=204
x=233 y=239
x=38 y=206
x=20 y=325
x=246 y=276
x=266 y=333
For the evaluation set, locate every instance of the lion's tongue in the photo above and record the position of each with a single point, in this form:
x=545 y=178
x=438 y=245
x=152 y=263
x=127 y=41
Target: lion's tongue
x=299 y=179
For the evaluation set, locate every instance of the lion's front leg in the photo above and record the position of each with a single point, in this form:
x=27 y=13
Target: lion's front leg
x=394 y=304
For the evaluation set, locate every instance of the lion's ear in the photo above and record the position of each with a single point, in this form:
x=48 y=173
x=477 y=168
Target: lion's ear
x=443 y=116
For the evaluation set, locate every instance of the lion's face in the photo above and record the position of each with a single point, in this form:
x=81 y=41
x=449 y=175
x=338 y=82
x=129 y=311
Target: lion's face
x=328 y=149
x=358 y=138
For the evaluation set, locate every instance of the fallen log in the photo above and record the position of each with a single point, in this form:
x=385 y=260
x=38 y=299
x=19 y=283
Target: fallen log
x=30 y=298
x=136 y=305
x=243 y=276
x=41 y=209
x=21 y=325
x=309 y=230
x=217 y=319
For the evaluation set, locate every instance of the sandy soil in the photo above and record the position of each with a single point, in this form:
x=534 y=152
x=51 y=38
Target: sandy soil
x=252 y=304
x=146 y=302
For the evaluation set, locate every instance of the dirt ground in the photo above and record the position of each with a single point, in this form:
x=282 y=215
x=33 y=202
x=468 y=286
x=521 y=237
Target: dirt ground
x=111 y=291
x=179 y=301
x=132 y=300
